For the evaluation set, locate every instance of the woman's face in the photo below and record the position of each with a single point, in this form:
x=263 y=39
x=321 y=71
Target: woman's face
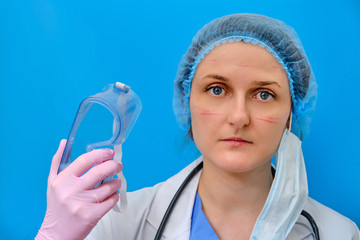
x=240 y=104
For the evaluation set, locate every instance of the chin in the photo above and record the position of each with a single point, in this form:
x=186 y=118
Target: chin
x=239 y=164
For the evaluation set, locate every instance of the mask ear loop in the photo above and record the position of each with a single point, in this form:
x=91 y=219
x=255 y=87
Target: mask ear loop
x=121 y=205
x=290 y=122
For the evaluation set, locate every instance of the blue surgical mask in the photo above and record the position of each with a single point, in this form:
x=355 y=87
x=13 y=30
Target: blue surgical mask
x=288 y=192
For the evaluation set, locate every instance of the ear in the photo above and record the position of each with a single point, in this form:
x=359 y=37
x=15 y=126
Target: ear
x=289 y=122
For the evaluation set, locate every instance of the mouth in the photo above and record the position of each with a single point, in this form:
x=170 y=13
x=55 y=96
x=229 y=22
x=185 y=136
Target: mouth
x=235 y=141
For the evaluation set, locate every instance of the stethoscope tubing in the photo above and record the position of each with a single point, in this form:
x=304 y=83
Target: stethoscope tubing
x=175 y=198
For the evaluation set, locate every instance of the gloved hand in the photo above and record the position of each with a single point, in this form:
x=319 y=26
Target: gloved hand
x=73 y=206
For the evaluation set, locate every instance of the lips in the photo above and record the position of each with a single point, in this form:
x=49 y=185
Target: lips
x=236 y=141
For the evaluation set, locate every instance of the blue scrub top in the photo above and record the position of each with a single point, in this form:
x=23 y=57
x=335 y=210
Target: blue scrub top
x=200 y=226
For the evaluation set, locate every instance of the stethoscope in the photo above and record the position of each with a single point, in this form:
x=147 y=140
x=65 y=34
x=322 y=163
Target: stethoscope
x=187 y=180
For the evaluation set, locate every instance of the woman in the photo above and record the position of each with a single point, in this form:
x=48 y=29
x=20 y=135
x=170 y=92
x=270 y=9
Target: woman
x=245 y=92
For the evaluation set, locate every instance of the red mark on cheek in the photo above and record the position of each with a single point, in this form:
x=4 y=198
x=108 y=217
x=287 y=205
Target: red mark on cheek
x=205 y=113
x=271 y=120
x=276 y=67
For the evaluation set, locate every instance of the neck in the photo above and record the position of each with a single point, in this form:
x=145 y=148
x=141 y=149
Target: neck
x=240 y=194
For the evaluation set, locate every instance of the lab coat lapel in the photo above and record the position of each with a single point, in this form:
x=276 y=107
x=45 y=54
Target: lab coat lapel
x=179 y=222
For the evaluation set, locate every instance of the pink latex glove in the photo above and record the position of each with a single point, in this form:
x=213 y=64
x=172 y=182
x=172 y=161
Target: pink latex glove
x=73 y=206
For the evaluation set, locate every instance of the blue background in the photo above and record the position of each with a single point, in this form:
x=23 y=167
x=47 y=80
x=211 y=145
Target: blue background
x=53 y=54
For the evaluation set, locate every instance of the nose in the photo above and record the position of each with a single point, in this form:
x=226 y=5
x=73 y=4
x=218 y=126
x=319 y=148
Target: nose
x=238 y=115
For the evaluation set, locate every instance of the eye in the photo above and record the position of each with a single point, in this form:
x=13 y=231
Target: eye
x=216 y=90
x=265 y=96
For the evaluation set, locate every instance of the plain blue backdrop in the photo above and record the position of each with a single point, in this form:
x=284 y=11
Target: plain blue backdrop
x=53 y=54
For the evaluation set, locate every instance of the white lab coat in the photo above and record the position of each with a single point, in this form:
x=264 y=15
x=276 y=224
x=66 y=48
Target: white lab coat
x=147 y=206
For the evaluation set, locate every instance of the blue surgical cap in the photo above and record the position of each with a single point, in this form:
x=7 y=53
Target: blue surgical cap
x=271 y=34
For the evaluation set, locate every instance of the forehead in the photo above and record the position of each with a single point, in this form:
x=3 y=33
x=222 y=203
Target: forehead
x=246 y=54
x=241 y=60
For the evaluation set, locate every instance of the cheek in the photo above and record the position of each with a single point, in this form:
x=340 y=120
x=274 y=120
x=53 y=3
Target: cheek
x=274 y=117
x=204 y=122
x=270 y=128
x=203 y=119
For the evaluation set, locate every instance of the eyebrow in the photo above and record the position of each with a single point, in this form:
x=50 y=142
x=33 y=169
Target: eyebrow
x=256 y=83
x=218 y=77
x=266 y=83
